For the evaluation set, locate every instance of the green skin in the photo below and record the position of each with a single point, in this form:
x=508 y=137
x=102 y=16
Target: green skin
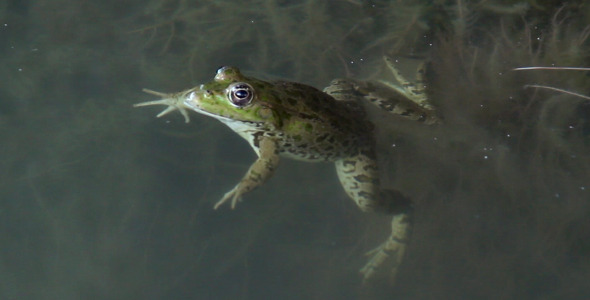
x=301 y=122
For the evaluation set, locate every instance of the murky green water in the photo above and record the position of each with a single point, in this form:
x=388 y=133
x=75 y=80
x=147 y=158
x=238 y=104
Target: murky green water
x=102 y=201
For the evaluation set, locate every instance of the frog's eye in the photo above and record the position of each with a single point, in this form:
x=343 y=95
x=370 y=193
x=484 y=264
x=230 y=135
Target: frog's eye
x=240 y=94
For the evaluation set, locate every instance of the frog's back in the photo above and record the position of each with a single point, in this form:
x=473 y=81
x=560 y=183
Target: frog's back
x=315 y=126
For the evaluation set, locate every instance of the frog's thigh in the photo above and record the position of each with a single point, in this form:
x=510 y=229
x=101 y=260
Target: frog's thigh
x=359 y=177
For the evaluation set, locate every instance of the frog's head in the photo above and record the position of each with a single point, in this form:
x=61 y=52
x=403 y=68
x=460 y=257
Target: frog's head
x=230 y=97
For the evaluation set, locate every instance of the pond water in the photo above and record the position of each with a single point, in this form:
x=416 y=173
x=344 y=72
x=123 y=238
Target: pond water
x=102 y=201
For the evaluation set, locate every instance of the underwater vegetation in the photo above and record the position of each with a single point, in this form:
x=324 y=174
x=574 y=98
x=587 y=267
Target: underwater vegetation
x=505 y=179
x=279 y=37
x=100 y=201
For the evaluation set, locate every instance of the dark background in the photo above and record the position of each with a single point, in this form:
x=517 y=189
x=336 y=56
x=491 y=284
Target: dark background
x=102 y=201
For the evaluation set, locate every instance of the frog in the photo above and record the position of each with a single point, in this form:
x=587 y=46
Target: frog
x=297 y=121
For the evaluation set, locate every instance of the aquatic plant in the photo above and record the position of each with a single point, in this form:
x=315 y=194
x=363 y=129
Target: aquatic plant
x=272 y=37
x=511 y=191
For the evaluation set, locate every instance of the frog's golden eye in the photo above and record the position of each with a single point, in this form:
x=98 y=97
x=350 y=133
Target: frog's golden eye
x=240 y=94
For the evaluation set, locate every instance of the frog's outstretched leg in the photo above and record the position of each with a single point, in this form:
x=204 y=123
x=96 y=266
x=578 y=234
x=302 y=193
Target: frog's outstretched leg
x=173 y=101
x=359 y=175
x=408 y=101
x=415 y=92
x=259 y=172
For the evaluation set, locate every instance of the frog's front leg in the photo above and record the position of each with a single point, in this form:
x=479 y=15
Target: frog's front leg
x=172 y=101
x=259 y=172
x=359 y=176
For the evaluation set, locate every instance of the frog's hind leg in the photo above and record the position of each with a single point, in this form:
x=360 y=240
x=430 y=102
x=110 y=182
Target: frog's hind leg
x=346 y=91
x=394 y=246
x=359 y=177
x=409 y=100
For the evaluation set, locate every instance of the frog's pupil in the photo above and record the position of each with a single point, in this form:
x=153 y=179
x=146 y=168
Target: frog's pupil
x=241 y=94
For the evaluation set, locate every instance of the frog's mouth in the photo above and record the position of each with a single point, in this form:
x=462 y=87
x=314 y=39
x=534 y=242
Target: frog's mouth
x=191 y=101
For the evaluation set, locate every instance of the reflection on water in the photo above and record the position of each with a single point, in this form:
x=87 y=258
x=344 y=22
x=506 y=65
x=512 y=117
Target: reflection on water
x=102 y=201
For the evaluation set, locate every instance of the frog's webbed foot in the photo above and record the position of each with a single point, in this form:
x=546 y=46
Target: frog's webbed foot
x=408 y=99
x=393 y=248
x=415 y=92
x=235 y=195
x=173 y=101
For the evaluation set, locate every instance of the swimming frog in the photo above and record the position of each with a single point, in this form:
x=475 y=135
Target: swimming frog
x=293 y=120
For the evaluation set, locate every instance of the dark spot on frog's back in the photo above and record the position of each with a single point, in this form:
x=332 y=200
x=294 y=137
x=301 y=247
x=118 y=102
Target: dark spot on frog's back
x=322 y=137
x=292 y=101
x=278 y=98
x=321 y=102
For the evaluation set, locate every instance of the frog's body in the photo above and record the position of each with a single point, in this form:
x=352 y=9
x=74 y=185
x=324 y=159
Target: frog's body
x=298 y=121
x=317 y=129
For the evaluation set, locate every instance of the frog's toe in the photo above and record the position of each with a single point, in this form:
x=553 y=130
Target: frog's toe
x=392 y=250
x=168 y=100
x=233 y=195
x=388 y=250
